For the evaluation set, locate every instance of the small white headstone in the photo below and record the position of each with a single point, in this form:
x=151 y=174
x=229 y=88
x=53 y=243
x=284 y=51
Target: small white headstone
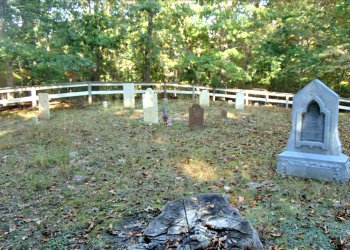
x=105 y=104
x=204 y=98
x=44 y=106
x=129 y=95
x=150 y=107
x=256 y=104
x=230 y=102
x=240 y=101
x=35 y=120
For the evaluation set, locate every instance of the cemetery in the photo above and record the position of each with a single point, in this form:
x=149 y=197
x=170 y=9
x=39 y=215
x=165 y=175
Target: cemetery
x=175 y=125
x=100 y=174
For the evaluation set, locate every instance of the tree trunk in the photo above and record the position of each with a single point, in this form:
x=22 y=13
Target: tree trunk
x=8 y=62
x=97 y=72
x=147 y=66
x=3 y=4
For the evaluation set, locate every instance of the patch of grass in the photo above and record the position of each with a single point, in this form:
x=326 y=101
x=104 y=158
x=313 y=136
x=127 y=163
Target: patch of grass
x=128 y=168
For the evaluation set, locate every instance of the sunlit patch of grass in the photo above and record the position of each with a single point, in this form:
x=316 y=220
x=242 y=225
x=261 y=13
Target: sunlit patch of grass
x=199 y=171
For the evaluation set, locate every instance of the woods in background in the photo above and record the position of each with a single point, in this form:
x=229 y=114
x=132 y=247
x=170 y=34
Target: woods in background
x=279 y=45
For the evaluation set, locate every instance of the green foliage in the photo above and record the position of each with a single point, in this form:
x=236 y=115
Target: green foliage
x=280 y=45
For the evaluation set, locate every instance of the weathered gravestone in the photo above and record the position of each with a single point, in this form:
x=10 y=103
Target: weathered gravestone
x=44 y=106
x=313 y=148
x=129 y=95
x=205 y=221
x=105 y=104
x=204 y=98
x=240 y=101
x=196 y=117
x=150 y=107
x=224 y=113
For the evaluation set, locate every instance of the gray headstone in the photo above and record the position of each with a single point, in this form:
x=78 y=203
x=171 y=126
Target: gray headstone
x=129 y=95
x=314 y=148
x=44 y=106
x=196 y=117
x=224 y=113
x=240 y=101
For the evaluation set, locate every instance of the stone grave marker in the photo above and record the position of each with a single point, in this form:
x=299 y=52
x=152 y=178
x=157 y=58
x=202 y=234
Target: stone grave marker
x=150 y=107
x=230 y=102
x=204 y=98
x=256 y=104
x=314 y=148
x=196 y=117
x=35 y=121
x=44 y=106
x=240 y=101
x=129 y=95
x=105 y=104
x=224 y=113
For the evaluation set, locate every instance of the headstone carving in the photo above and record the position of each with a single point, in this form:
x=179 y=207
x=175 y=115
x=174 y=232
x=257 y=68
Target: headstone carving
x=196 y=117
x=204 y=98
x=240 y=101
x=314 y=148
x=44 y=106
x=150 y=107
x=129 y=95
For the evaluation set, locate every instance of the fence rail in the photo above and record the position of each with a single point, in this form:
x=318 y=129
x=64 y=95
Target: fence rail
x=66 y=90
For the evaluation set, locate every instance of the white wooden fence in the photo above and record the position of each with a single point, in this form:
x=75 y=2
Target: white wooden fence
x=57 y=91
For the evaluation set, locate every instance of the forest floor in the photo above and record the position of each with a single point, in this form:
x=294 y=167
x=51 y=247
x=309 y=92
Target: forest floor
x=81 y=179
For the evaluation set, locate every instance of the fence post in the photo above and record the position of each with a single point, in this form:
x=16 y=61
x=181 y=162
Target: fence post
x=214 y=95
x=9 y=95
x=267 y=99
x=246 y=99
x=193 y=92
x=287 y=101
x=33 y=95
x=89 y=93
x=175 y=91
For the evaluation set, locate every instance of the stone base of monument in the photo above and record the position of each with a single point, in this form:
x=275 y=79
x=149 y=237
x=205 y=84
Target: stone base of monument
x=199 y=222
x=316 y=166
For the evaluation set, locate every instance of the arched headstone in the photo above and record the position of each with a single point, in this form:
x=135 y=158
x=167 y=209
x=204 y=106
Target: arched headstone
x=150 y=107
x=314 y=148
x=196 y=117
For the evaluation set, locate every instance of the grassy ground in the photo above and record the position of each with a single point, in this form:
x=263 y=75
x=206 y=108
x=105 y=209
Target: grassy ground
x=71 y=181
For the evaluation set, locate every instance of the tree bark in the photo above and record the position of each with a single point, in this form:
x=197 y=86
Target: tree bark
x=147 y=65
x=8 y=62
x=3 y=4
